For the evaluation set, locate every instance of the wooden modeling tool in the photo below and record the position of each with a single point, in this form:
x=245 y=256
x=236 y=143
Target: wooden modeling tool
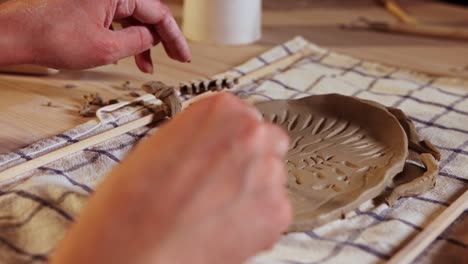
x=412 y=250
x=394 y=9
x=28 y=69
x=410 y=29
x=14 y=172
x=407 y=25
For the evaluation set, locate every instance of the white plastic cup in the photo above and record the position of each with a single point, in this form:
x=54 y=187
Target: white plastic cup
x=228 y=22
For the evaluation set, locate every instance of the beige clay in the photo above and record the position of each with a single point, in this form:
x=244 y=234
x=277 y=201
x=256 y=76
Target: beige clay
x=345 y=151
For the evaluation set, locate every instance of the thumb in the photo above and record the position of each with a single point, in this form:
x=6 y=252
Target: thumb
x=131 y=41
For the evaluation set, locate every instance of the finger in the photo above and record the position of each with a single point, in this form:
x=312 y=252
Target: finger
x=269 y=177
x=144 y=61
x=158 y=14
x=111 y=27
x=227 y=106
x=173 y=40
x=131 y=41
x=279 y=140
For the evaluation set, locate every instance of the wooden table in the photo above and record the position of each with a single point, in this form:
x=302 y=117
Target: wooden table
x=26 y=118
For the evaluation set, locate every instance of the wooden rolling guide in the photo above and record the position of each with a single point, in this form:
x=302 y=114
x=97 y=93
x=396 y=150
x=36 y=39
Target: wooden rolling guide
x=412 y=250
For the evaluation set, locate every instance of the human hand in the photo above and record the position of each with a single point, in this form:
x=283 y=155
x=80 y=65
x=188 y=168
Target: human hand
x=68 y=34
x=208 y=187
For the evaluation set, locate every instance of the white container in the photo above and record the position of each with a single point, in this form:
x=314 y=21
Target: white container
x=229 y=22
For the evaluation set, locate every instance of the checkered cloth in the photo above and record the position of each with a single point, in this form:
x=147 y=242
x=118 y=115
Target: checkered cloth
x=37 y=208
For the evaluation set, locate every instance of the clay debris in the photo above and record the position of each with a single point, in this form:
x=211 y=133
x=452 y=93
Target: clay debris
x=50 y=104
x=125 y=86
x=196 y=88
x=70 y=86
x=167 y=94
x=92 y=103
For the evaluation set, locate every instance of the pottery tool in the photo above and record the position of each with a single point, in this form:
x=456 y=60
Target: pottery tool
x=28 y=69
x=394 y=9
x=410 y=29
x=12 y=173
x=431 y=232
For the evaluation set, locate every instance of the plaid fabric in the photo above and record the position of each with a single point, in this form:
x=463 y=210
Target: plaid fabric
x=37 y=208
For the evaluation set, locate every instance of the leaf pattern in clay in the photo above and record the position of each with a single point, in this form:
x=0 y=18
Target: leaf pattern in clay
x=331 y=157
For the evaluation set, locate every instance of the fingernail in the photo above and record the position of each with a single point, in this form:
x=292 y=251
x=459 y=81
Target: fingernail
x=149 y=69
x=282 y=146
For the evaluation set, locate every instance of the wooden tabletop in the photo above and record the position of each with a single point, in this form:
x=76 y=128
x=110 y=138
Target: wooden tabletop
x=25 y=116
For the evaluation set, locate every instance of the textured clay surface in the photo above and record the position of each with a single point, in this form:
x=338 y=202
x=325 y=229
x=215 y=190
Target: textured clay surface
x=344 y=151
x=423 y=155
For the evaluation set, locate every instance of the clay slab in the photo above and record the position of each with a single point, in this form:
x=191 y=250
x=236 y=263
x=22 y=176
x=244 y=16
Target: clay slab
x=344 y=151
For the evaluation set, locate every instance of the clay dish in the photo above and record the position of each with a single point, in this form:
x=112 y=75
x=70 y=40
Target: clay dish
x=344 y=151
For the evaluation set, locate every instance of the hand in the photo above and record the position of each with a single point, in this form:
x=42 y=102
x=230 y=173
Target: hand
x=76 y=34
x=208 y=187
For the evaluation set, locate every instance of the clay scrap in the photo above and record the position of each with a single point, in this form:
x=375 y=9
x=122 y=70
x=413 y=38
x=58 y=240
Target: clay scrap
x=169 y=95
x=196 y=88
x=422 y=153
x=346 y=151
x=92 y=102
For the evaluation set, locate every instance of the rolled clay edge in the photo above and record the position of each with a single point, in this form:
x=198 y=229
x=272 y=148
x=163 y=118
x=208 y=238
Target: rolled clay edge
x=426 y=146
x=419 y=185
x=414 y=141
x=167 y=94
x=428 y=154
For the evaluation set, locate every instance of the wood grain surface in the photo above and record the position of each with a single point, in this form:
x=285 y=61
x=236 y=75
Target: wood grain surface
x=26 y=118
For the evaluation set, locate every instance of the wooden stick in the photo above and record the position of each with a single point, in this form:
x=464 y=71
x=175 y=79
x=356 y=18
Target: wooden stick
x=28 y=69
x=393 y=8
x=427 y=30
x=414 y=29
x=14 y=172
x=431 y=232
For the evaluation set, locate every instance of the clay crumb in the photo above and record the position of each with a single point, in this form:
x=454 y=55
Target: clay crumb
x=49 y=104
x=134 y=94
x=87 y=111
x=92 y=103
x=70 y=86
x=94 y=99
x=155 y=87
x=126 y=86
x=113 y=101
